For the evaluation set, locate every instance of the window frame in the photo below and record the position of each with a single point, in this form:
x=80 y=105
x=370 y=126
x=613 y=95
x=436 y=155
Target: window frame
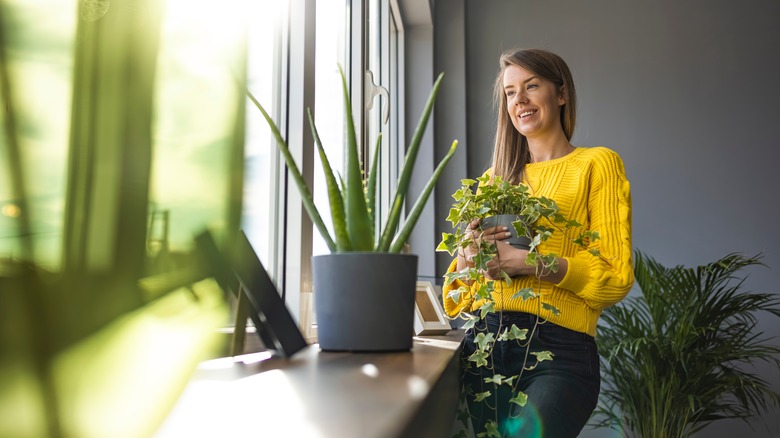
x=292 y=229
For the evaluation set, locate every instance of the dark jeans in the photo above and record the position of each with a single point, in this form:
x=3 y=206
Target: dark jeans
x=562 y=393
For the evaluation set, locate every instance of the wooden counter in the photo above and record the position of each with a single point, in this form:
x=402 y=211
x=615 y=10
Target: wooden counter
x=324 y=394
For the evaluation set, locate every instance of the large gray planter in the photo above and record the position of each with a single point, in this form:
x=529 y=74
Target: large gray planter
x=365 y=301
x=505 y=220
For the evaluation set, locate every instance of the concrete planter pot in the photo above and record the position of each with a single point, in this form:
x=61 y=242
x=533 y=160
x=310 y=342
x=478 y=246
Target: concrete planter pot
x=364 y=301
x=505 y=220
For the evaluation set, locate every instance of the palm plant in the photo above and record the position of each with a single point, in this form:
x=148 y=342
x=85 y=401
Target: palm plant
x=675 y=358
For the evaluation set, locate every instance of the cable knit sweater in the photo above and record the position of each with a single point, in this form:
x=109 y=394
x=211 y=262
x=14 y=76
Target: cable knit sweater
x=590 y=186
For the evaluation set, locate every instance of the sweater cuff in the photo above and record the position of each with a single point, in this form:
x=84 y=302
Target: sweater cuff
x=577 y=275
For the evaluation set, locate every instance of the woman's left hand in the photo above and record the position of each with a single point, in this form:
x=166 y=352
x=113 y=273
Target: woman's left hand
x=509 y=259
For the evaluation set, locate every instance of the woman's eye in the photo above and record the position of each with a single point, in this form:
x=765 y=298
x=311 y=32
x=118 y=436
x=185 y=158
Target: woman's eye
x=510 y=93
x=530 y=86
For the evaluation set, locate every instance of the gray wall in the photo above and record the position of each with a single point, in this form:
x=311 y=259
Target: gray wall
x=686 y=92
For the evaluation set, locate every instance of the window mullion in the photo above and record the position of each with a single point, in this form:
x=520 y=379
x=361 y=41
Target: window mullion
x=300 y=92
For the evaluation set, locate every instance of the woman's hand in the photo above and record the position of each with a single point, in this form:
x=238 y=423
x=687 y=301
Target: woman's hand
x=513 y=261
x=510 y=260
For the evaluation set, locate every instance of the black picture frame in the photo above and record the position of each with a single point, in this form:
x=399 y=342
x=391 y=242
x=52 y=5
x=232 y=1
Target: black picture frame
x=273 y=321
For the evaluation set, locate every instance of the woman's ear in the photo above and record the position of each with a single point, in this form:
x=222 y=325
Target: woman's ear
x=562 y=95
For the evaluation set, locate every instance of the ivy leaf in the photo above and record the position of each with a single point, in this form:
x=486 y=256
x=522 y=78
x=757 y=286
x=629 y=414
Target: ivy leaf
x=467 y=182
x=495 y=379
x=479 y=358
x=551 y=308
x=525 y=293
x=482 y=258
x=455 y=295
x=470 y=321
x=481 y=396
x=491 y=430
x=513 y=333
x=520 y=399
x=520 y=228
x=459 y=194
x=595 y=252
x=542 y=356
x=486 y=309
x=507 y=279
x=454 y=216
x=448 y=243
x=484 y=340
x=483 y=293
x=452 y=276
x=483 y=210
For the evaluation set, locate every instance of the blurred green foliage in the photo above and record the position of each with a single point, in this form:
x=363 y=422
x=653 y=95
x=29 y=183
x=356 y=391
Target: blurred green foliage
x=121 y=138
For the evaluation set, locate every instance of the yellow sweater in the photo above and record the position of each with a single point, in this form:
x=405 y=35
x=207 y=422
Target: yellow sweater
x=590 y=186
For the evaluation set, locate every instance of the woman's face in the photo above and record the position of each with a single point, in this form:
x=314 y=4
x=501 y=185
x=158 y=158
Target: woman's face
x=533 y=103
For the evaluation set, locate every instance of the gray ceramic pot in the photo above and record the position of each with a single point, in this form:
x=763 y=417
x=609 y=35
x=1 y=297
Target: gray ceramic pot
x=365 y=301
x=505 y=220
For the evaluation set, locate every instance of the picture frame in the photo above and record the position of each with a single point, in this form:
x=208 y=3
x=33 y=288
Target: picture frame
x=429 y=316
x=241 y=272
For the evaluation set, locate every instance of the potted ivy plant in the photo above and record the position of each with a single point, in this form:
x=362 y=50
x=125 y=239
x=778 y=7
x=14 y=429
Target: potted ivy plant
x=365 y=288
x=532 y=220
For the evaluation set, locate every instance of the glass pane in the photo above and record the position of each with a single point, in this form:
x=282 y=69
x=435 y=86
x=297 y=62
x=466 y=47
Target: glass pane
x=373 y=117
x=261 y=194
x=194 y=126
x=39 y=37
x=328 y=107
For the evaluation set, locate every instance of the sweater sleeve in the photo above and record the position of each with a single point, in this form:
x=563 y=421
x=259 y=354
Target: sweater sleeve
x=602 y=281
x=464 y=302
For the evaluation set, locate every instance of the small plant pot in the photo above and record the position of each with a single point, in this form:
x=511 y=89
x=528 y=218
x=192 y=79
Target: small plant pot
x=505 y=220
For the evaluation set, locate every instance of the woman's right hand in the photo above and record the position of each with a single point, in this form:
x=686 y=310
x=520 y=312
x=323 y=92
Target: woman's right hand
x=477 y=235
x=472 y=230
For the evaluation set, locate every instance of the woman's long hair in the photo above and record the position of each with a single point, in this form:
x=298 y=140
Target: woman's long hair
x=510 y=152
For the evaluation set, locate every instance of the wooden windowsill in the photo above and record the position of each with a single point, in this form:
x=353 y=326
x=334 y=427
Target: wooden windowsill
x=324 y=394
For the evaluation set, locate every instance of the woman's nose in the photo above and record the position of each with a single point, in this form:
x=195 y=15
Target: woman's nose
x=520 y=98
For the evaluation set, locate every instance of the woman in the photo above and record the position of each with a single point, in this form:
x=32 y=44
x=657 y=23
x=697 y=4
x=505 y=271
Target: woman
x=536 y=104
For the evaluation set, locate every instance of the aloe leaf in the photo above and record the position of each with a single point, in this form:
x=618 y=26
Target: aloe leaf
x=406 y=173
x=343 y=187
x=371 y=189
x=307 y=198
x=414 y=215
x=358 y=220
x=334 y=194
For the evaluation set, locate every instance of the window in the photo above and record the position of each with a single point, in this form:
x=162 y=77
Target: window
x=286 y=53
x=262 y=200
x=330 y=53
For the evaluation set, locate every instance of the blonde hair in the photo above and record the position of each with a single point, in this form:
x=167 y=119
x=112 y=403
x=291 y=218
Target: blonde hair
x=510 y=152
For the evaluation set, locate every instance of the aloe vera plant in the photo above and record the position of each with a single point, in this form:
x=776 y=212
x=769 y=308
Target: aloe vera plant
x=352 y=203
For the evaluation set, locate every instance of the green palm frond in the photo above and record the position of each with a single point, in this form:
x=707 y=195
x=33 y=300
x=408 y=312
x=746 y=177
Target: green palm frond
x=677 y=357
